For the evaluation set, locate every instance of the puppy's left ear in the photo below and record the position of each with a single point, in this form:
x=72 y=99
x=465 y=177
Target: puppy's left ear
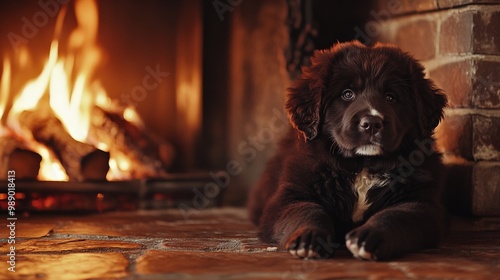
x=430 y=103
x=304 y=98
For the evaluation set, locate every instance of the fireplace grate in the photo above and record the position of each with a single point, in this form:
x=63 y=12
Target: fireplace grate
x=175 y=190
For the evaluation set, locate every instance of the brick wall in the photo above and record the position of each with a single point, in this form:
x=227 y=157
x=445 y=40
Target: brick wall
x=459 y=43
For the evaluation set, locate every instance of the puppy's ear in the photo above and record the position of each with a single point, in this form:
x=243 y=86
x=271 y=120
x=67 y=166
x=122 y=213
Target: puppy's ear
x=304 y=97
x=430 y=102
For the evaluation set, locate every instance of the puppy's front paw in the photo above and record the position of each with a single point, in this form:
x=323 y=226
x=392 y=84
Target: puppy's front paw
x=311 y=243
x=368 y=243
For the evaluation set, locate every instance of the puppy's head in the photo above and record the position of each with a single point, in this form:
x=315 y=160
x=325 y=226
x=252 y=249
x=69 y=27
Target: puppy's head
x=366 y=99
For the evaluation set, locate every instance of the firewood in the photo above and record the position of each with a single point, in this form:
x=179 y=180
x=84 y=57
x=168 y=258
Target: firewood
x=81 y=161
x=17 y=157
x=149 y=156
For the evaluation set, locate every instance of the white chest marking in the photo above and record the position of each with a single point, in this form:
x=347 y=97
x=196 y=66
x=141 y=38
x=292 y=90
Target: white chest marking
x=362 y=184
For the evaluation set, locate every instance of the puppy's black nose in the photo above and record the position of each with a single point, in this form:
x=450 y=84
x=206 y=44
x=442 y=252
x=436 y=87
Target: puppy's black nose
x=371 y=124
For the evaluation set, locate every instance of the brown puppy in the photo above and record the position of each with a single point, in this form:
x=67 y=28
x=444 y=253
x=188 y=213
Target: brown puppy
x=359 y=167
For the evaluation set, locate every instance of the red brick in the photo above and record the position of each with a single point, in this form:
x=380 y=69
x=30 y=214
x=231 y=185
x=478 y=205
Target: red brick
x=486 y=85
x=398 y=7
x=455 y=3
x=454 y=136
x=456 y=80
x=456 y=33
x=486 y=31
x=486 y=196
x=473 y=31
x=418 y=38
x=486 y=137
x=472 y=83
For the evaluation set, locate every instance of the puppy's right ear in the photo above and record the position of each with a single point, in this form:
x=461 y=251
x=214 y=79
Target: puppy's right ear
x=304 y=97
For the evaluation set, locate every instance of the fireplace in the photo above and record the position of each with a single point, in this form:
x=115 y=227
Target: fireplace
x=77 y=58
x=101 y=103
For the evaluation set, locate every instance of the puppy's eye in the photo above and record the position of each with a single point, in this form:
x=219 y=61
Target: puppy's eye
x=390 y=98
x=348 y=95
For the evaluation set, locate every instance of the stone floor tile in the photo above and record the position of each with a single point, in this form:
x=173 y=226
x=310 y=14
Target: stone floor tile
x=70 y=266
x=231 y=223
x=217 y=245
x=89 y=228
x=278 y=265
x=226 y=214
x=445 y=267
x=68 y=245
x=27 y=229
x=159 y=229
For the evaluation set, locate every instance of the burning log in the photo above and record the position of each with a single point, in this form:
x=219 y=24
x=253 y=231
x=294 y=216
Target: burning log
x=81 y=161
x=15 y=156
x=149 y=157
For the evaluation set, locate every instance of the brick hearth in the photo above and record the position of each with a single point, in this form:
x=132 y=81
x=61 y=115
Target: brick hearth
x=214 y=244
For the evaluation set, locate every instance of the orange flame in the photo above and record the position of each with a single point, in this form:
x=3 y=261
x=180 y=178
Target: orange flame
x=4 y=91
x=72 y=91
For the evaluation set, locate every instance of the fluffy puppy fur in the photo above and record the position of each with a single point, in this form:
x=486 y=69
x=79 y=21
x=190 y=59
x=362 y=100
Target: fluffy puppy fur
x=359 y=166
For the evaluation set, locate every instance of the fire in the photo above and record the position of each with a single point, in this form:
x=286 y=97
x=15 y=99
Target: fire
x=50 y=168
x=4 y=90
x=68 y=86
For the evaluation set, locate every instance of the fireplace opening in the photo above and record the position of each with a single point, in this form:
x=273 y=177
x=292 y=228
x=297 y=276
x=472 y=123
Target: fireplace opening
x=101 y=99
x=78 y=86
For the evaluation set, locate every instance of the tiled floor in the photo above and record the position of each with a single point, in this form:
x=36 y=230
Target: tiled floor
x=215 y=244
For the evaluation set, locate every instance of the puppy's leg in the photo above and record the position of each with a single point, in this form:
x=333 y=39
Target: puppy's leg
x=301 y=227
x=397 y=230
